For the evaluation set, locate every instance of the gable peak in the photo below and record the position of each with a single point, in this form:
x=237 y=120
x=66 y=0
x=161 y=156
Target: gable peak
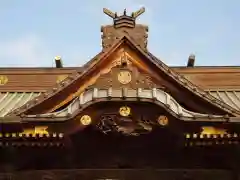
x=122 y=25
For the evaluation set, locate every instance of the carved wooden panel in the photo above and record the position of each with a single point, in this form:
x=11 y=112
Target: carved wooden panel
x=125 y=77
x=123 y=72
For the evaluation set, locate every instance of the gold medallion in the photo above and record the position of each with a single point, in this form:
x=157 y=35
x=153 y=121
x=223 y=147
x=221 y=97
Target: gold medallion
x=124 y=77
x=124 y=111
x=163 y=120
x=85 y=120
x=3 y=80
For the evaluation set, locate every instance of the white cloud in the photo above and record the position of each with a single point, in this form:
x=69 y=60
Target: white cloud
x=28 y=50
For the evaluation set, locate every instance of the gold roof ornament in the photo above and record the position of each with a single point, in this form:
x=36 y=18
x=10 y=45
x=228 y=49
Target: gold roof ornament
x=208 y=130
x=124 y=77
x=162 y=120
x=36 y=130
x=187 y=136
x=86 y=120
x=125 y=111
x=3 y=80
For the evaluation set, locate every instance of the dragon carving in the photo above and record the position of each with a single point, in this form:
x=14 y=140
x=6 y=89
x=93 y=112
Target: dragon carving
x=112 y=123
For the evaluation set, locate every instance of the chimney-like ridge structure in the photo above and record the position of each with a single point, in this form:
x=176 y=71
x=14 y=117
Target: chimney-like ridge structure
x=124 y=24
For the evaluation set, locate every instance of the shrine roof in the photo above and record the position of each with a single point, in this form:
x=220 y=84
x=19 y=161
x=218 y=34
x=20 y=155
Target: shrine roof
x=40 y=79
x=75 y=77
x=13 y=100
x=24 y=89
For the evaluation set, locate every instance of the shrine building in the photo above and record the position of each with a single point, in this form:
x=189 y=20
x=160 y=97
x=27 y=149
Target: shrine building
x=124 y=115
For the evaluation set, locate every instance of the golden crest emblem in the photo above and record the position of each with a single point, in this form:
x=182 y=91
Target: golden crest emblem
x=3 y=80
x=124 y=77
x=124 y=111
x=163 y=120
x=85 y=120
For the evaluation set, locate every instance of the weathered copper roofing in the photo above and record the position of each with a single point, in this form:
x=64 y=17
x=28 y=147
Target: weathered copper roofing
x=232 y=98
x=10 y=101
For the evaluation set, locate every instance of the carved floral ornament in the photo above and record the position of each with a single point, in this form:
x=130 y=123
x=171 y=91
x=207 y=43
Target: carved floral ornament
x=124 y=58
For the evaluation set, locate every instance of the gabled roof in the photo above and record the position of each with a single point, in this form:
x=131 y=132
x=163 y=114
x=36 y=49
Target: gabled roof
x=40 y=79
x=212 y=78
x=69 y=86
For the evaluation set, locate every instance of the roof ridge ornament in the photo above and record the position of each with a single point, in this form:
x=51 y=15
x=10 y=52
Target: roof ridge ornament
x=114 y=16
x=124 y=24
x=136 y=14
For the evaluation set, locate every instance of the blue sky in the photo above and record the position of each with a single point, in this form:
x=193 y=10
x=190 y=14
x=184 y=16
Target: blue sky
x=33 y=32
